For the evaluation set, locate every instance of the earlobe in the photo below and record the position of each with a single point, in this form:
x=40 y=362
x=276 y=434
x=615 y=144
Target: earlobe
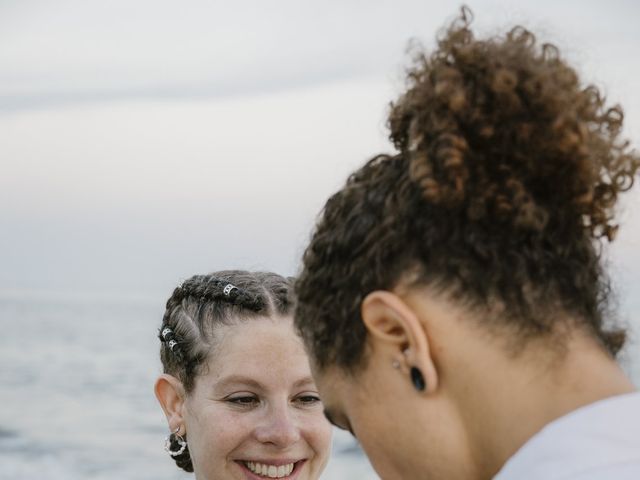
x=170 y=394
x=391 y=321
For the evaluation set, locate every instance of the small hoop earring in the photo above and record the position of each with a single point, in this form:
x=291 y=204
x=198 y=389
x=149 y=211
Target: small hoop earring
x=181 y=441
x=396 y=364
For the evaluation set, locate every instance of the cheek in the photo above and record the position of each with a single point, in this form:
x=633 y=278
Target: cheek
x=382 y=455
x=381 y=439
x=217 y=434
x=368 y=436
x=317 y=432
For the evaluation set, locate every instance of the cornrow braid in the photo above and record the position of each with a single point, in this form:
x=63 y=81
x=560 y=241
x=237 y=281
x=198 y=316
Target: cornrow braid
x=202 y=302
x=207 y=287
x=184 y=459
x=169 y=337
x=204 y=288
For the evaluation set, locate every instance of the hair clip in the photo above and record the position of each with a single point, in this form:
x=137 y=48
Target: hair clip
x=228 y=289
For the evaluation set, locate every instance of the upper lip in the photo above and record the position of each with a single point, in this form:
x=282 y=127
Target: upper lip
x=276 y=462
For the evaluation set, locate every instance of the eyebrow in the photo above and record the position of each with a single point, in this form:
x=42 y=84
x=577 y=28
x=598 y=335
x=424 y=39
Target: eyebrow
x=240 y=379
x=244 y=380
x=304 y=381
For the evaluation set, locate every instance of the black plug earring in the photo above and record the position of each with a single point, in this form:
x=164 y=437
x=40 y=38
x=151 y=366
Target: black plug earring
x=418 y=379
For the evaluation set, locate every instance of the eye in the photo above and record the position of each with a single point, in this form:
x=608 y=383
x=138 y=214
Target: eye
x=307 y=399
x=346 y=427
x=244 y=400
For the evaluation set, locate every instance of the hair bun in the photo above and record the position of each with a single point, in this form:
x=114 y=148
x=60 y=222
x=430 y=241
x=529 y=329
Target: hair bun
x=502 y=129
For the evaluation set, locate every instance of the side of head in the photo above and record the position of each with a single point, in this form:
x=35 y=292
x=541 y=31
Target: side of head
x=504 y=187
x=234 y=378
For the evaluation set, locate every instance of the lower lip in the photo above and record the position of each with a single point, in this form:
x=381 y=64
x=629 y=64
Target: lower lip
x=292 y=476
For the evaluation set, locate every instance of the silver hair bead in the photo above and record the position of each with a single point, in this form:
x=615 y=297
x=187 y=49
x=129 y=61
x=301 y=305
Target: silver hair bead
x=228 y=289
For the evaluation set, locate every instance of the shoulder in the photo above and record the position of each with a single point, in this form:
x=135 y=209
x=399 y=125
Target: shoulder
x=625 y=471
x=601 y=440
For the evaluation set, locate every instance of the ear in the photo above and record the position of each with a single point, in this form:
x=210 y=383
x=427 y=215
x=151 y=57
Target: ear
x=391 y=323
x=170 y=393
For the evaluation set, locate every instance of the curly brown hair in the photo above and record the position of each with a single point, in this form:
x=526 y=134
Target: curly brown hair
x=500 y=196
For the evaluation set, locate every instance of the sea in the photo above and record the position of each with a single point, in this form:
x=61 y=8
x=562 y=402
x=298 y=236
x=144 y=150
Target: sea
x=76 y=392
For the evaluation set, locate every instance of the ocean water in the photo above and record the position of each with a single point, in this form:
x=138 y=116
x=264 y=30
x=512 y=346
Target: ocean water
x=76 y=398
x=76 y=393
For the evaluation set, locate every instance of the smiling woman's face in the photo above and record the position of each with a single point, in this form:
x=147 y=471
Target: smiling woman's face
x=255 y=413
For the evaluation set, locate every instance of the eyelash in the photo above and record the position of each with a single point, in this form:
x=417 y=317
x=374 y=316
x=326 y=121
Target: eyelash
x=308 y=400
x=346 y=428
x=248 y=401
x=245 y=401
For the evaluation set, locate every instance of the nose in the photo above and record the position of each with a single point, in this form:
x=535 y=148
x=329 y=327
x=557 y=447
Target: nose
x=278 y=427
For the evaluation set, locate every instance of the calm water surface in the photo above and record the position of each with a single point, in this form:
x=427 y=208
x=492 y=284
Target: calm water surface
x=76 y=395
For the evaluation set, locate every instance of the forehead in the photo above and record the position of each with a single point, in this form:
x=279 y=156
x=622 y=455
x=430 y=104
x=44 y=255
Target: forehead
x=254 y=346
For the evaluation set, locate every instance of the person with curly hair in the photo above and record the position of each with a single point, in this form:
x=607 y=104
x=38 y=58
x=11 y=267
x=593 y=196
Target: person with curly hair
x=236 y=389
x=453 y=299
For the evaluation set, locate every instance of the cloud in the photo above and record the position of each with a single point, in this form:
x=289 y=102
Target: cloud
x=128 y=193
x=68 y=52
x=132 y=131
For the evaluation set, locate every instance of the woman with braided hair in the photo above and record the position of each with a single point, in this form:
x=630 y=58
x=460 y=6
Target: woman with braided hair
x=236 y=389
x=452 y=297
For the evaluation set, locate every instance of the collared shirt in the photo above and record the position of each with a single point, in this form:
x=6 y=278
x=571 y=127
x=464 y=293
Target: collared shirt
x=600 y=441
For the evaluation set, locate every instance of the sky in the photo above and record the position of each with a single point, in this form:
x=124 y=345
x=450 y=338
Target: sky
x=143 y=142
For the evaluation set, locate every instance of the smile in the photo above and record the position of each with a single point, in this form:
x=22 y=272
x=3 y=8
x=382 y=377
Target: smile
x=269 y=470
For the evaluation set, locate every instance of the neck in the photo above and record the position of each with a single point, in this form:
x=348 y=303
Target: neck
x=514 y=398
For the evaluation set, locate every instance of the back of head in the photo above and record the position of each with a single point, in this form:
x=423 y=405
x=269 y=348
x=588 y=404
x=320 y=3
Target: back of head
x=202 y=303
x=504 y=185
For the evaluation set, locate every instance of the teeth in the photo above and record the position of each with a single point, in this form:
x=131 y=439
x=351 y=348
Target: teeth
x=270 y=471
